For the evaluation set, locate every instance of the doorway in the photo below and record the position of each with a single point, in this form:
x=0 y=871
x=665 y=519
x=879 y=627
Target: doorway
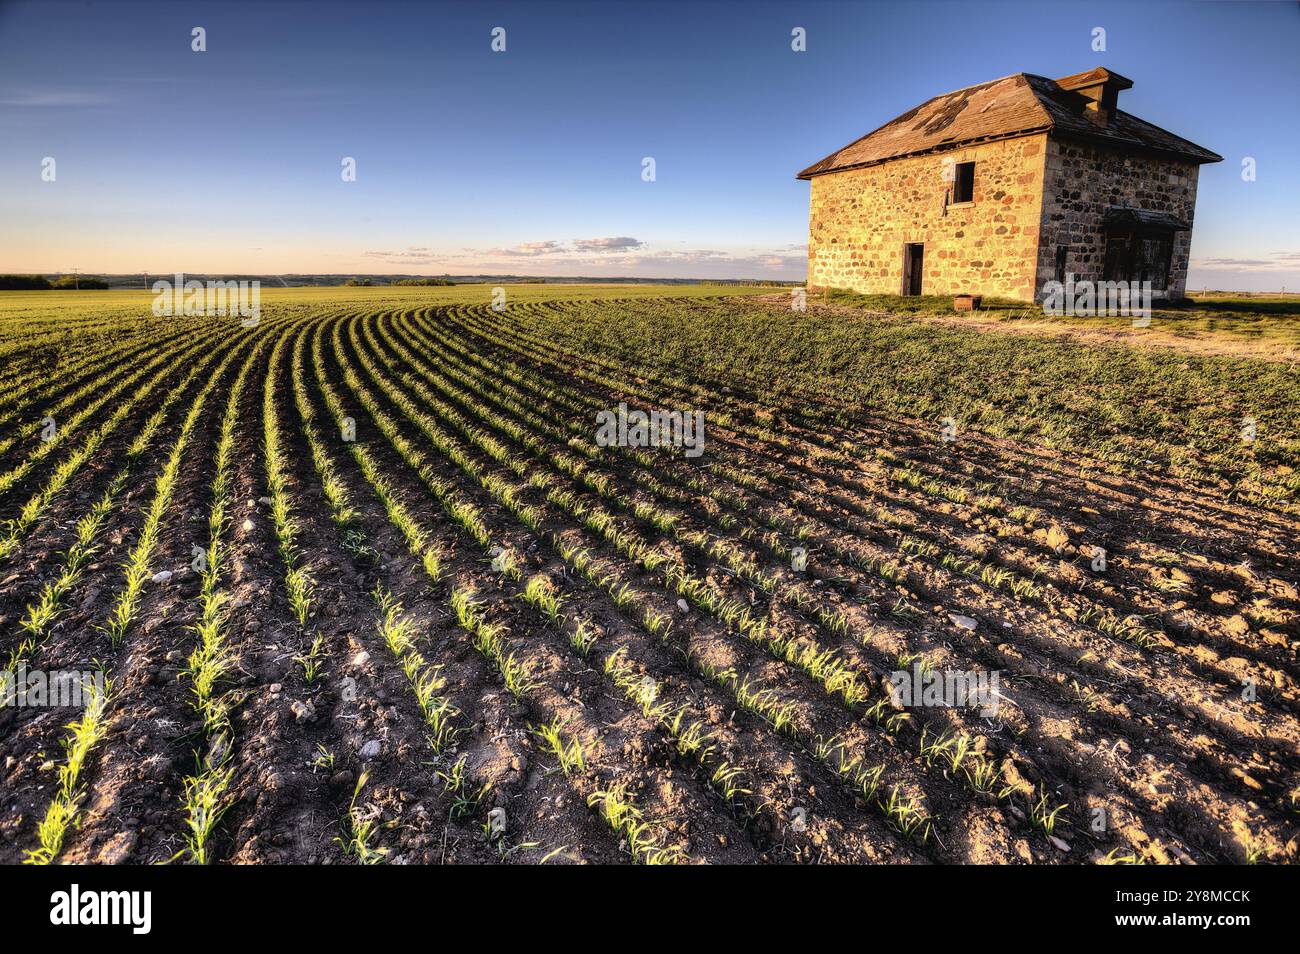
x=913 y=266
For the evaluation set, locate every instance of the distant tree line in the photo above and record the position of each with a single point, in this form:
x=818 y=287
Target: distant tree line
x=23 y=282
x=71 y=281
x=400 y=281
x=41 y=283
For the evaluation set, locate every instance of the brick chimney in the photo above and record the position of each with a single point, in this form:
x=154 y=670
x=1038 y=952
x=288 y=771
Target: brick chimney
x=1100 y=87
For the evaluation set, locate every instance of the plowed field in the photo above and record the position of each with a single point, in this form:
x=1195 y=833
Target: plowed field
x=363 y=586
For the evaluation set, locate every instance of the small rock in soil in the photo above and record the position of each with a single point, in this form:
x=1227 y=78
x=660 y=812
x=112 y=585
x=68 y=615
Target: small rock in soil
x=1237 y=625
x=371 y=749
x=119 y=848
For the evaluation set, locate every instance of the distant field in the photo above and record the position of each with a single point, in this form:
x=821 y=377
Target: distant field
x=366 y=588
x=39 y=305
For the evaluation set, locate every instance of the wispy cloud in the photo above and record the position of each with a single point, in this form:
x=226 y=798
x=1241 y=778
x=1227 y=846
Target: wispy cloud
x=529 y=249
x=411 y=255
x=607 y=256
x=55 y=99
x=614 y=243
x=553 y=247
x=1277 y=261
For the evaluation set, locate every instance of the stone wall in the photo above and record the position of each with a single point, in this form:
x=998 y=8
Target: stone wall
x=861 y=219
x=1082 y=180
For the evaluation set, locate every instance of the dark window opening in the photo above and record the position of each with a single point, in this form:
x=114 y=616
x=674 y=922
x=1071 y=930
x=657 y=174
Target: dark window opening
x=1061 y=252
x=963 y=182
x=913 y=267
x=1134 y=255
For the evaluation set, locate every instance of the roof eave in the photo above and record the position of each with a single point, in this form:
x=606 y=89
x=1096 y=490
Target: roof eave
x=812 y=172
x=1201 y=157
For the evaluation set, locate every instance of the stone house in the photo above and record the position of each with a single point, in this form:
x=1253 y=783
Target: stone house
x=1000 y=188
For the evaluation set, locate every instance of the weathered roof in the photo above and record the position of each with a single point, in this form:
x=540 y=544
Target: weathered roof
x=1016 y=105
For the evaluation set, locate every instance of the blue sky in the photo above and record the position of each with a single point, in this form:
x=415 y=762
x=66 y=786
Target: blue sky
x=529 y=161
